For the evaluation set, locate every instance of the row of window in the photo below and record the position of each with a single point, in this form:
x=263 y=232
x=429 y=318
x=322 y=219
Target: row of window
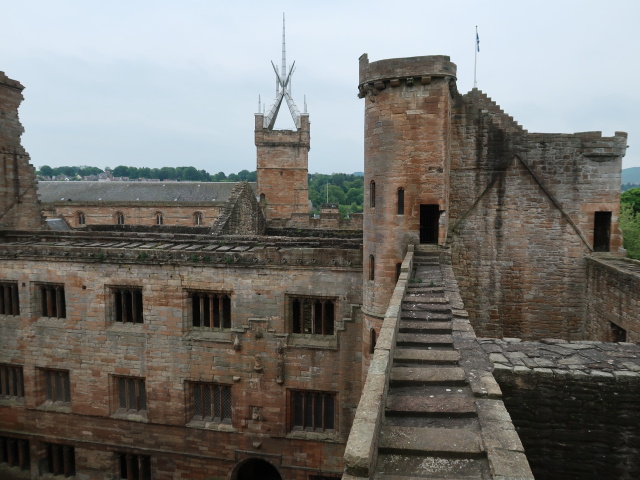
x=119 y=218
x=208 y=309
x=399 y=197
x=60 y=459
x=207 y=402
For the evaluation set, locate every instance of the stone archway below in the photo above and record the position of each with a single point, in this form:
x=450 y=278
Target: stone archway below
x=256 y=469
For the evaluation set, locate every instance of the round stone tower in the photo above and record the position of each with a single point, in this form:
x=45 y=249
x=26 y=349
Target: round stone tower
x=406 y=168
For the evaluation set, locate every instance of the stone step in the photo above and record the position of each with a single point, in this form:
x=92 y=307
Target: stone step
x=393 y=466
x=421 y=326
x=416 y=405
x=427 y=307
x=456 y=442
x=426 y=357
x=426 y=316
x=426 y=375
x=425 y=298
x=422 y=340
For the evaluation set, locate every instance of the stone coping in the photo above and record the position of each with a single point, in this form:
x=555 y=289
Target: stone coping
x=361 y=451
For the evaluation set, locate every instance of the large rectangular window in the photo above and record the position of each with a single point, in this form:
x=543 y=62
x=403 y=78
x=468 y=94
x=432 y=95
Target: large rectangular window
x=9 y=299
x=52 y=302
x=57 y=386
x=132 y=396
x=59 y=459
x=312 y=411
x=312 y=315
x=210 y=310
x=11 y=382
x=211 y=402
x=134 y=467
x=127 y=304
x=14 y=452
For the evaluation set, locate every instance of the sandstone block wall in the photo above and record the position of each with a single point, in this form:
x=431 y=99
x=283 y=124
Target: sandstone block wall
x=173 y=214
x=522 y=218
x=168 y=353
x=613 y=299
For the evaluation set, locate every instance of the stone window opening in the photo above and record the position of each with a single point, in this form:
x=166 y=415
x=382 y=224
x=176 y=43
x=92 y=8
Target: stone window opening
x=14 y=452
x=57 y=387
x=312 y=411
x=11 y=382
x=398 y=271
x=210 y=402
x=312 y=315
x=134 y=467
x=80 y=218
x=119 y=218
x=59 y=459
x=159 y=218
x=372 y=194
x=131 y=395
x=197 y=219
x=400 y=201
x=127 y=304
x=373 y=339
x=601 y=231
x=210 y=310
x=9 y=298
x=372 y=267
x=52 y=301
x=618 y=334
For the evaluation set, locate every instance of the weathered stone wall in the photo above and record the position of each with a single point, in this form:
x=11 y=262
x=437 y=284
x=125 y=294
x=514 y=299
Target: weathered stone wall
x=168 y=352
x=327 y=221
x=613 y=298
x=522 y=218
x=173 y=214
x=282 y=168
x=19 y=206
x=241 y=215
x=575 y=405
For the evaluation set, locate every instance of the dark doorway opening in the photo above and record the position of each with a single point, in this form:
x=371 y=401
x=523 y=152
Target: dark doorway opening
x=257 y=469
x=618 y=334
x=601 y=231
x=429 y=220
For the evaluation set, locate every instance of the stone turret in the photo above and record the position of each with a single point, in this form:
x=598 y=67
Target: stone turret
x=406 y=167
x=19 y=205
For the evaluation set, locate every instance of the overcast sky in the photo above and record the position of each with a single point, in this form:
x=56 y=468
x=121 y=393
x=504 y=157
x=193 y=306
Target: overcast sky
x=175 y=83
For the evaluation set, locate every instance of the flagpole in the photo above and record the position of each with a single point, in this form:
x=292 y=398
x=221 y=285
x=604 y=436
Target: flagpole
x=475 y=59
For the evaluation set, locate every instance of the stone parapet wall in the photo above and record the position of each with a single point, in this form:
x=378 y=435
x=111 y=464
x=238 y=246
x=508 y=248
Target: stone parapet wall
x=613 y=298
x=521 y=219
x=575 y=405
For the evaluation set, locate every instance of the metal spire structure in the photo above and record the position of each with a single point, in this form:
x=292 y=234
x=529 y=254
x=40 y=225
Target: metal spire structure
x=283 y=89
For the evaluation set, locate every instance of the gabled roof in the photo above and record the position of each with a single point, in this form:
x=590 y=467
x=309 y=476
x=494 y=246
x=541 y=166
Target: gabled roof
x=136 y=192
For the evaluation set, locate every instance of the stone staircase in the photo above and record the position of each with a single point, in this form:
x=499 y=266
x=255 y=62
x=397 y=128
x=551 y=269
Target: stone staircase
x=430 y=427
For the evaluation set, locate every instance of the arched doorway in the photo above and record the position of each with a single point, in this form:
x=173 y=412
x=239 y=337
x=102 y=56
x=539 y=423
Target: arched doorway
x=256 y=469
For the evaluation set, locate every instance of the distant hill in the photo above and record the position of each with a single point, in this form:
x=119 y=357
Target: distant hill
x=631 y=175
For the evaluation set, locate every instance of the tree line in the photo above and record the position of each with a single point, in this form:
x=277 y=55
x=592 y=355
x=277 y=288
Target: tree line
x=630 y=221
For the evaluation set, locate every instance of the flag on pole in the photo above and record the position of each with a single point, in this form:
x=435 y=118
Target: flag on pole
x=477 y=41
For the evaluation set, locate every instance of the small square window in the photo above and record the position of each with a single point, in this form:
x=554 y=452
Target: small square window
x=312 y=411
x=134 y=467
x=57 y=387
x=52 y=300
x=14 y=452
x=312 y=315
x=131 y=395
x=210 y=310
x=59 y=459
x=210 y=402
x=127 y=304
x=11 y=382
x=9 y=298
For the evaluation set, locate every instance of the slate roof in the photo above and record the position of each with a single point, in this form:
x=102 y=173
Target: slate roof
x=135 y=192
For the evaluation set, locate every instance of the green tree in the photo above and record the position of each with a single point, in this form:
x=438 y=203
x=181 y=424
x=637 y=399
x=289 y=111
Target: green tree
x=46 y=170
x=630 y=226
x=632 y=198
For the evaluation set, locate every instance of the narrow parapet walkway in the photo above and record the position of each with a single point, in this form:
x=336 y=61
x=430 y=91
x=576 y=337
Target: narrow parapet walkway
x=430 y=407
